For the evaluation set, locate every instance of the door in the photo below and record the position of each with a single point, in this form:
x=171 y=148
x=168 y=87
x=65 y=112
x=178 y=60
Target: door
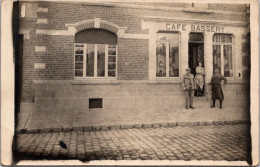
x=196 y=56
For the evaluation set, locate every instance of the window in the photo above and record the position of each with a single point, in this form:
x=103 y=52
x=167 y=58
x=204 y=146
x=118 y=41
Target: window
x=167 y=55
x=95 y=53
x=95 y=60
x=95 y=103
x=222 y=54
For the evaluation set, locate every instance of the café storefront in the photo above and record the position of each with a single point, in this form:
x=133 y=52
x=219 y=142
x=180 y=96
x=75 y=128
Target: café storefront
x=125 y=60
x=184 y=43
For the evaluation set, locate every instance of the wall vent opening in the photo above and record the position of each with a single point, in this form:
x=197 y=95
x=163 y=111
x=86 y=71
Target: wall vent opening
x=95 y=103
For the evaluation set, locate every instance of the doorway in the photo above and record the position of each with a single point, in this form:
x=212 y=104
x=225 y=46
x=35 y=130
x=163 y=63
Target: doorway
x=196 y=56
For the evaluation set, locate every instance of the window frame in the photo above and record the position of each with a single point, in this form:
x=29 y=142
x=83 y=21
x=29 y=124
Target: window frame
x=95 y=62
x=167 y=42
x=222 y=53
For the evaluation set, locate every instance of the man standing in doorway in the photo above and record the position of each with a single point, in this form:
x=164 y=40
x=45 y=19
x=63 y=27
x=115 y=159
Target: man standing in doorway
x=188 y=85
x=217 y=92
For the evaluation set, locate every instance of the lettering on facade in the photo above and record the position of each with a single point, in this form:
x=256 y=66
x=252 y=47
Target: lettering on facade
x=194 y=28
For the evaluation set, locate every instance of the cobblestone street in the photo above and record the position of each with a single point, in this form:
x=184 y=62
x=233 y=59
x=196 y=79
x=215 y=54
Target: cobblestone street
x=212 y=142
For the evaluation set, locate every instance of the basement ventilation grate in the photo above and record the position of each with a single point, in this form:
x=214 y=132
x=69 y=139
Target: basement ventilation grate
x=95 y=103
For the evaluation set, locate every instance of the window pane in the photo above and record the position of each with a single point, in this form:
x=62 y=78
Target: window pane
x=222 y=38
x=111 y=73
x=100 y=60
x=228 y=72
x=78 y=65
x=79 y=58
x=79 y=51
x=112 y=50
x=174 y=59
x=90 y=60
x=78 y=73
x=78 y=48
x=216 y=57
x=111 y=66
x=112 y=60
x=161 y=60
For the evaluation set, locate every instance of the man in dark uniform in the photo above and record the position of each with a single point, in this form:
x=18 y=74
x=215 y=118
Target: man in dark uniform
x=217 y=92
x=188 y=85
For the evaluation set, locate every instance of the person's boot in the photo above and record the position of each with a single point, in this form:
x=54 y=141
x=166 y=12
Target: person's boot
x=220 y=104
x=192 y=107
x=213 y=105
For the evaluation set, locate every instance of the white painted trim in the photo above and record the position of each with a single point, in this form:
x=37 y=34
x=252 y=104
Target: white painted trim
x=192 y=21
x=39 y=65
x=25 y=32
x=44 y=10
x=40 y=48
x=41 y=31
x=42 y=21
x=106 y=61
x=71 y=32
x=97 y=23
x=167 y=59
x=23 y=10
x=95 y=60
x=85 y=51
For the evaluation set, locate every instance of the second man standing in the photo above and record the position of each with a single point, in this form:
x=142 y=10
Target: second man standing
x=188 y=85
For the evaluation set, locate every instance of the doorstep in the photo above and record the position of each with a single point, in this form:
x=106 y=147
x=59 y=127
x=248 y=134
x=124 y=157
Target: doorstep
x=130 y=126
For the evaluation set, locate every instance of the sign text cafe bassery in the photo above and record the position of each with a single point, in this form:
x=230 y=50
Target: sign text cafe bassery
x=194 y=28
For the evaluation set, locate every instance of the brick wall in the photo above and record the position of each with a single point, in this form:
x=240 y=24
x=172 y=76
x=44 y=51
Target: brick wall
x=58 y=58
x=61 y=13
x=133 y=59
x=28 y=72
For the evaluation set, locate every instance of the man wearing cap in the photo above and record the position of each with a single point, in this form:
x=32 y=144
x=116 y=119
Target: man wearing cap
x=217 y=92
x=188 y=85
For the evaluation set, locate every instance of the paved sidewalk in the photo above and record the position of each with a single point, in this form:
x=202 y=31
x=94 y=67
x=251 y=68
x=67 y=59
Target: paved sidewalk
x=213 y=142
x=69 y=119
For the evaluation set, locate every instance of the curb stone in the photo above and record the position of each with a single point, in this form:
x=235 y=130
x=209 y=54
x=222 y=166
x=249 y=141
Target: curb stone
x=115 y=126
x=130 y=126
x=126 y=126
x=105 y=127
x=78 y=128
x=172 y=124
x=87 y=128
x=96 y=127
x=156 y=125
x=137 y=125
x=165 y=124
x=148 y=125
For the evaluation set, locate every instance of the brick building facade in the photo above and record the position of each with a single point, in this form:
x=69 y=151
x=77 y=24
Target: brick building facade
x=155 y=42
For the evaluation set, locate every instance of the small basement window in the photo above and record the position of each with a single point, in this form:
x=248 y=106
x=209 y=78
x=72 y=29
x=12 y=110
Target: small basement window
x=95 y=103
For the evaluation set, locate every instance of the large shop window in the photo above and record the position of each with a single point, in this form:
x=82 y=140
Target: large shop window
x=222 y=54
x=94 y=57
x=167 y=55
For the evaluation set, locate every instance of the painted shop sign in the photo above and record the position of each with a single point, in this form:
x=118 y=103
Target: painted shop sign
x=194 y=28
